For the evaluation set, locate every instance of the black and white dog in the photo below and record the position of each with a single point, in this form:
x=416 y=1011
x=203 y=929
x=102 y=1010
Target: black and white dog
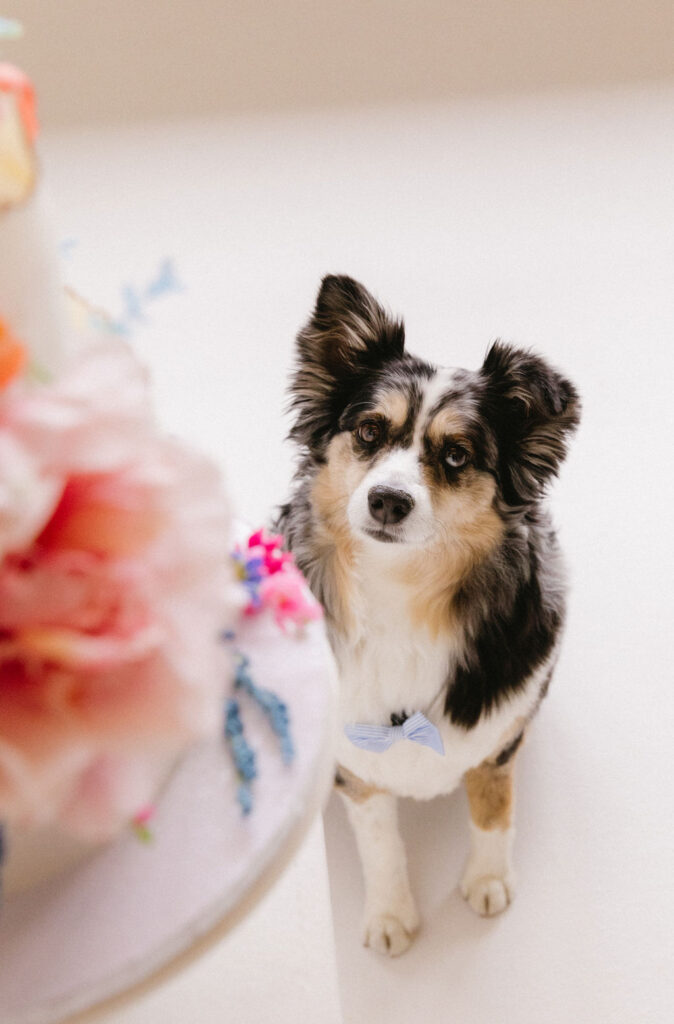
x=417 y=518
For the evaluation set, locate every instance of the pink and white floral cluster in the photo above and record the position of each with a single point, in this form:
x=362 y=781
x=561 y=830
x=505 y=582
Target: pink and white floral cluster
x=115 y=580
x=272 y=580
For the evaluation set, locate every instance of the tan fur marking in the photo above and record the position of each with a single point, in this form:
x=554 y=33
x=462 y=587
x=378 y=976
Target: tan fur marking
x=447 y=423
x=472 y=528
x=353 y=786
x=490 y=794
x=394 y=406
x=332 y=488
x=432 y=576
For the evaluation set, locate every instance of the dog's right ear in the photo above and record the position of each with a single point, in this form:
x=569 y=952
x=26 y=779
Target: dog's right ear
x=533 y=410
x=348 y=337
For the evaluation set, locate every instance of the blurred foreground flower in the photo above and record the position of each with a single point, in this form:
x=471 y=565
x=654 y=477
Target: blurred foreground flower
x=114 y=588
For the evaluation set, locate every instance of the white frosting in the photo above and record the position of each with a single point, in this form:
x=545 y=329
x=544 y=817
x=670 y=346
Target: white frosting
x=36 y=855
x=39 y=854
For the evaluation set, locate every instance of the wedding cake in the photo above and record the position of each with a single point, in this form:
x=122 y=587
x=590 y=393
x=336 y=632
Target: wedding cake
x=114 y=555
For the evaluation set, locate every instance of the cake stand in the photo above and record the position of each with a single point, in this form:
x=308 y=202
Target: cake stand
x=87 y=940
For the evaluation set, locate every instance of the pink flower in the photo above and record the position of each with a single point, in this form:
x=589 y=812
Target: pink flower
x=272 y=580
x=269 y=548
x=287 y=594
x=114 y=587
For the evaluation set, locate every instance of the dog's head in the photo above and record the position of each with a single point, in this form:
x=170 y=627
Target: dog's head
x=411 y=453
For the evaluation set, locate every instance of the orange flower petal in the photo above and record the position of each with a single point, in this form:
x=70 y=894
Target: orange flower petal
x=12 y=356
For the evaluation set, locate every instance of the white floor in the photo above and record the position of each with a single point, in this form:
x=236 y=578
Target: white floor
x=547 y=221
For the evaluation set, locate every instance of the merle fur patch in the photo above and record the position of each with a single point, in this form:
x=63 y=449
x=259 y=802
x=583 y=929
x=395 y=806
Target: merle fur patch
x=347 y=342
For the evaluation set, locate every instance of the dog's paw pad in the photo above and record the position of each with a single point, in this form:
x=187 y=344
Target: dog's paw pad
x=487 y=895
x=387 y=934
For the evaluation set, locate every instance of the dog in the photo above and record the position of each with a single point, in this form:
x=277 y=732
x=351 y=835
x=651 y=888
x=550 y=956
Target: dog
x=417 y=517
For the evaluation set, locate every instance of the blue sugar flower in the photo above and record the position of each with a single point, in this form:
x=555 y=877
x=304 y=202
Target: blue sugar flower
x=242 y=753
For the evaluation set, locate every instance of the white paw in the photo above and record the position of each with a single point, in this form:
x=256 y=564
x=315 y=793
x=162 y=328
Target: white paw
x=391 y=933
x=487 y=894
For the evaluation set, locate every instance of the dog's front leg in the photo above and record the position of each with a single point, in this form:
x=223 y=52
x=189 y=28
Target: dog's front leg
x=391 y=918
x=488 y=880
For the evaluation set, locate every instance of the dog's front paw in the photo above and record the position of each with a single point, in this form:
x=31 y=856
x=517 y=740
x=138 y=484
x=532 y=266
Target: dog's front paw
x=391 y=932
x=487 y=894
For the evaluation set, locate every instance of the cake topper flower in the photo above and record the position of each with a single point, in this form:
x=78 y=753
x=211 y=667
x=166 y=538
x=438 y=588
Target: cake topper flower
x=272 y=580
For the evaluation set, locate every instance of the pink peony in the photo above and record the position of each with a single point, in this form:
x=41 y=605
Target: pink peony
x=114 y=587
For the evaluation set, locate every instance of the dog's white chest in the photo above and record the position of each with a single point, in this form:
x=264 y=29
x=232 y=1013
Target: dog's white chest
x=388 y=665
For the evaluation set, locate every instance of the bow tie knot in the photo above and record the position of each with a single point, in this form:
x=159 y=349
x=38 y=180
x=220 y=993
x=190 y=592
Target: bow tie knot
x=378 y=738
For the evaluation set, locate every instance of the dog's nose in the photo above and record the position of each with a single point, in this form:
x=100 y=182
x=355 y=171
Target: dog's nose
x=388 y=505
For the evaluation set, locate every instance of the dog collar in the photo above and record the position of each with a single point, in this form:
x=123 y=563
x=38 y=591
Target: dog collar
x=378 y=738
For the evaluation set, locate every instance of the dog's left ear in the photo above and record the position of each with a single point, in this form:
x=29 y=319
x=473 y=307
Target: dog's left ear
x=348 y=337
x=533 y=409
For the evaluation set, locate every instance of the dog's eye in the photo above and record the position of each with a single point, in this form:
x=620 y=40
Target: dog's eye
x=456 y=456
x=369 y=432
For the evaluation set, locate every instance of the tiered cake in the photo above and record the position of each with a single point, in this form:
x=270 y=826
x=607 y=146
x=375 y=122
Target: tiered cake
x=114 y=554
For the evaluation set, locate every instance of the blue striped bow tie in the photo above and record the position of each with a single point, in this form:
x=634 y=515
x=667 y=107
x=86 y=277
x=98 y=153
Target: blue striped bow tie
x=378 y=738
